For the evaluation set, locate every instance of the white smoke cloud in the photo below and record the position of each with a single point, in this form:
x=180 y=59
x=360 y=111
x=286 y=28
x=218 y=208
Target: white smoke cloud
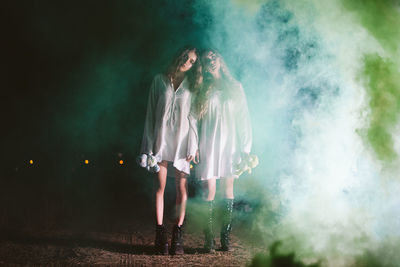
x=299 y=63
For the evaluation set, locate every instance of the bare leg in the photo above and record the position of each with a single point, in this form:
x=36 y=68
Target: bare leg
x=227 y=188
x=181 y=196
x=160 y=182
x=209 y=187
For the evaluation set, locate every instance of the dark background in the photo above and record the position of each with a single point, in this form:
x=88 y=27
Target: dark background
x=75 y=78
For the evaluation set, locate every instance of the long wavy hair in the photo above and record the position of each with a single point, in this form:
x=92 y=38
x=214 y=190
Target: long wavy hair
x=226 y=83
x=194 y=74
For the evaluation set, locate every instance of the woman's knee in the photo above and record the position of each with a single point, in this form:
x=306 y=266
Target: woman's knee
x=160 y=190
x=160 y=187
x=228 y=194
x=161 y=179
x=211 y=195
x=183 y=189
x=228 y=188
x=210 y=187
x=181 y=182
x=183 y=196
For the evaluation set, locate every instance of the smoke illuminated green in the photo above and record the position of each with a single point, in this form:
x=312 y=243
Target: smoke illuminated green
x=383 y=86
x=316 y=189
x=381 y=19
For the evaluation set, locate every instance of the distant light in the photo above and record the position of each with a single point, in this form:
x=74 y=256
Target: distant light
x=31 y=162
x=86 y=161
x=191 y=166
x=121 y=162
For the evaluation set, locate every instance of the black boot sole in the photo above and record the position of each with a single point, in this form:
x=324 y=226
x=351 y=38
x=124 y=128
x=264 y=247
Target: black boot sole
x=162 y=251
x=177 y=252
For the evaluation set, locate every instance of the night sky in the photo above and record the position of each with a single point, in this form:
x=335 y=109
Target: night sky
x=76 y=74
x=75 y=85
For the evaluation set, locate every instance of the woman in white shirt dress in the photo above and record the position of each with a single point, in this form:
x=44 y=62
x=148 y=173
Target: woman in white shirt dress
x=166 y=137
x=224 y=136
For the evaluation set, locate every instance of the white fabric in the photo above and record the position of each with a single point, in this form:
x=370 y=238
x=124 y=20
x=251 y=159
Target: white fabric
x=166 y=130
x=224 y=133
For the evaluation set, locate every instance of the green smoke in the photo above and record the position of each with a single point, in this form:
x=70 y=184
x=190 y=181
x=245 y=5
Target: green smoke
x=277 y=258
x=383 y=89
x=382 y=19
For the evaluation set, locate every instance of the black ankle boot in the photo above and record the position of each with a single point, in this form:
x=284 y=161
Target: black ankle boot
x=227 y=209
x=209 y=243
x=161 y=243
x=177 y=241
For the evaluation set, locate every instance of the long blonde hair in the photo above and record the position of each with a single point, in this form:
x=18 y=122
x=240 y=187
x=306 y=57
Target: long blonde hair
x=227 y=84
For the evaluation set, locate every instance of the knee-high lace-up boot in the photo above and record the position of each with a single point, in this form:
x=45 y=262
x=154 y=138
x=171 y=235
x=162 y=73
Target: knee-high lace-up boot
x=209 y=242
x=227 y=209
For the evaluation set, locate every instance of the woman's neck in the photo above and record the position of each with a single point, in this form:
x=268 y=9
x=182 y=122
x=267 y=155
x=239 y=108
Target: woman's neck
x=177 y=79
x=179 y=76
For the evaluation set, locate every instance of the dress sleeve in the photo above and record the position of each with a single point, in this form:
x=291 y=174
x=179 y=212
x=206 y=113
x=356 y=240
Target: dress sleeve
x=193 y=139
x=149 y=124
x=243 y=122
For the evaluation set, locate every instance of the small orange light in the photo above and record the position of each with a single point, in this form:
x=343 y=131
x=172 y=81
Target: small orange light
x=31 y=162
x=86 y=161
x=121 y=162
x=191 y=166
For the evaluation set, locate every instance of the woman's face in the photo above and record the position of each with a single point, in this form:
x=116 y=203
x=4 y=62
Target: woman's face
x=191 y=59
x=211 y=63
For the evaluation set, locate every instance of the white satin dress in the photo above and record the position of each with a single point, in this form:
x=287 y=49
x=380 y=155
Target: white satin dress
x=166 y=129
x=224 y=133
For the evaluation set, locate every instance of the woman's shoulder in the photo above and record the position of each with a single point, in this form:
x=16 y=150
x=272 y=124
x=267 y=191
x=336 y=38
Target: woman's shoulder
x=235 y=90
x=160 y=77
x=236 y=85
x=160 y=80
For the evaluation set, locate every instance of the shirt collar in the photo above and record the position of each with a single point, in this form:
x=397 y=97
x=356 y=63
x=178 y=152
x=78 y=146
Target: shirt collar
x=183 y=85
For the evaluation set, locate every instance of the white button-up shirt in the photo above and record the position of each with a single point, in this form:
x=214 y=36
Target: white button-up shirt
x=166 y=130
x=224 y=134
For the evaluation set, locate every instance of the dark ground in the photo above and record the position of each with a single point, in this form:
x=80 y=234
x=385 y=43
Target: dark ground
x=127 y=246
x=102 y=222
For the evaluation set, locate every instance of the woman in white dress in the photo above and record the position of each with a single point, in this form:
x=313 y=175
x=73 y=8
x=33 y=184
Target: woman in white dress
x=224 y=136
x=166 y=137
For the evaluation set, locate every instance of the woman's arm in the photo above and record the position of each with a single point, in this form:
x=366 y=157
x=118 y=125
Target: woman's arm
x=149 y=124
x=243 y=122
x=193 y=139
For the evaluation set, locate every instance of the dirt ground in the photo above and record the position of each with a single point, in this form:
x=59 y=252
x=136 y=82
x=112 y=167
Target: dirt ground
x=131 y=247
x=88 y=221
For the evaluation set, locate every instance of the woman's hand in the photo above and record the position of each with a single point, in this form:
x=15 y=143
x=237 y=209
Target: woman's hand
x=194 y=158
x=189 y=158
